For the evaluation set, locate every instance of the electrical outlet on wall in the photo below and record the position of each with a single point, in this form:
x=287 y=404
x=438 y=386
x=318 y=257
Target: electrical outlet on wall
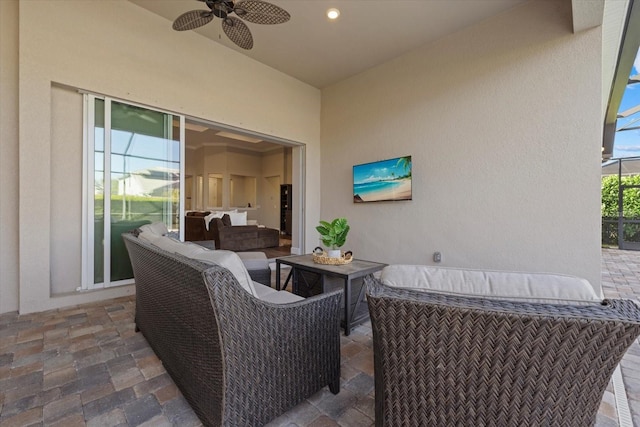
x=437 y=257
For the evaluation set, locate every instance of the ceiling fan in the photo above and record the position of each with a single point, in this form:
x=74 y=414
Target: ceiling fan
x=255 y=11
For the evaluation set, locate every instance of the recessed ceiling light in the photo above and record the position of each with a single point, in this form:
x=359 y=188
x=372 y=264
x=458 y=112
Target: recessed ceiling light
x=333 y=13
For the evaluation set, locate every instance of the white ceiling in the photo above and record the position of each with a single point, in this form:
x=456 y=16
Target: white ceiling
x=208 y=135
x=368 y=32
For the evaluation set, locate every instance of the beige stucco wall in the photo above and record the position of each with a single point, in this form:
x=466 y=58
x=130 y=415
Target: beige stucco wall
x=503 y=121
x=9 y=155
x=228 y=161
x=119 y=49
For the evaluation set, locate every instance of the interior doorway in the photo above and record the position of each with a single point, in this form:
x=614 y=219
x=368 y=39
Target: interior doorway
x=248 y=170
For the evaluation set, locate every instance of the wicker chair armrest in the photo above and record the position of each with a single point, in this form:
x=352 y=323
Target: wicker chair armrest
x=294 y=349
x=236 y=306
x=456 y=360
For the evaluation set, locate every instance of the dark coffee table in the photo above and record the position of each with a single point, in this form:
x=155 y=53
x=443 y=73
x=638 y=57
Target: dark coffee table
x=311 y=279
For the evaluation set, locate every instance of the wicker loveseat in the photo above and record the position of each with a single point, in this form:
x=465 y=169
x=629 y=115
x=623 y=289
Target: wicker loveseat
x=238 y=360
x=455 y=358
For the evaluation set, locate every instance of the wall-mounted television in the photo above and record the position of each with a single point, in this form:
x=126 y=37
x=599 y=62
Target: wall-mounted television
x=386 y=180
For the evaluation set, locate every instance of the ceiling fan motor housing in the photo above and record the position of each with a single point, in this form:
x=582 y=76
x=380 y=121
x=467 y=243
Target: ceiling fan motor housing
x=220 y=8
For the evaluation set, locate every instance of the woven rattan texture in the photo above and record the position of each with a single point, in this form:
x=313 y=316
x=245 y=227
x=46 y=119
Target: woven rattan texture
x=444 y=360
x=276 y=355
x=325 y=259
x=238 y=32
x=174 y=314
x=260 y=12
x=237 y=360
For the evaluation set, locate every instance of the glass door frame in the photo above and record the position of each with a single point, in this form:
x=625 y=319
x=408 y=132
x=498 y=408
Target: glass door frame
x=88 y=186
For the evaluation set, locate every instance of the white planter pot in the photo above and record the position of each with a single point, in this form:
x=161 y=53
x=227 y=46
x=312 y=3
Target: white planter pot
x=334 y=253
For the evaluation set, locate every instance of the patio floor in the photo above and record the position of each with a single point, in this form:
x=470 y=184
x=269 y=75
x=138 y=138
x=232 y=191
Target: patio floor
x=85 y=365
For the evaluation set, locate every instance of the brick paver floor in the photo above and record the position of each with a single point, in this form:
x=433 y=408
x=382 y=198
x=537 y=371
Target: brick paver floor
x=85 y=365
x=621 y=279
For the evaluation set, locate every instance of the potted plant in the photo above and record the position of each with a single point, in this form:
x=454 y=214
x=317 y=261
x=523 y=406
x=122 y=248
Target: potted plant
x=333 y=235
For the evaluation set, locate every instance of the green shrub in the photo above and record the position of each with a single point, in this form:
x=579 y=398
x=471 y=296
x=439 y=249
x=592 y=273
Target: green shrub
x=609 y=209
x=631 y=206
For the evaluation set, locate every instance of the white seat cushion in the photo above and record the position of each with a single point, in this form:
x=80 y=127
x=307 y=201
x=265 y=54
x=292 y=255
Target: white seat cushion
x=266 y=293
x=262 y=290
x=281 y=297
x=505 y=285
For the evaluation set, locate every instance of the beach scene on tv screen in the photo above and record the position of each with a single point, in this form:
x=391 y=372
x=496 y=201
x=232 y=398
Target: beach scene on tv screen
x=382 y=181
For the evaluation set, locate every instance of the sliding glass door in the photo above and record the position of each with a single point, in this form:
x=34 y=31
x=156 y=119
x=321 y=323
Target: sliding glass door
x=133 y=176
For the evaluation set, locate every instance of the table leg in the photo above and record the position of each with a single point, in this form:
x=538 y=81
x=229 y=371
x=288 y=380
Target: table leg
x=347 y=306
x=286 y=282
x=296 y=279
x=278 y=275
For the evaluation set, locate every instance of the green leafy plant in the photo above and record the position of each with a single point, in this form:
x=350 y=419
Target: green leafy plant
x=333 y=234
x=610 y=209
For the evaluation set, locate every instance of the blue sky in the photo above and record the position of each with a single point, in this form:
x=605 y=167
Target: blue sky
x=627 y=143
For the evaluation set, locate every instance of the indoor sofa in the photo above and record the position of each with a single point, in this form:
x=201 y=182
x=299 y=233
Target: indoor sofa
x=201 y=226
x=242 y=237
x=195 y=227
x=469 y=347
x=241 y=353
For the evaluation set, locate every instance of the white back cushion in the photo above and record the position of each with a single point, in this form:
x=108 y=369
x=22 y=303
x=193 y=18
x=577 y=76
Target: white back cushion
x=149 y=236
x=227 y=259
x=158 y=228
x=232 y=262
x=505 y=285
x=168 y=244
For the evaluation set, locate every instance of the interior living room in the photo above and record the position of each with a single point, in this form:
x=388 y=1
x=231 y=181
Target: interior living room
x=501 y=105
x=227 y=170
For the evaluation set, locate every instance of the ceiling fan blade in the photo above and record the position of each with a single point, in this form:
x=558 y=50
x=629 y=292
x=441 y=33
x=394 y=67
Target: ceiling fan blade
x=261 y=12
x=238 y=32
x=192 y=20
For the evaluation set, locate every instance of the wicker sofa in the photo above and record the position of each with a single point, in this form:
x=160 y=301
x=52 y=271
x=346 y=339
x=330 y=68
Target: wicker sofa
x=239 y=359
x=464 y=347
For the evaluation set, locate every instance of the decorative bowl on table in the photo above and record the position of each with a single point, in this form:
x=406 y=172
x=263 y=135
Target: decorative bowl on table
x=321 y=257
